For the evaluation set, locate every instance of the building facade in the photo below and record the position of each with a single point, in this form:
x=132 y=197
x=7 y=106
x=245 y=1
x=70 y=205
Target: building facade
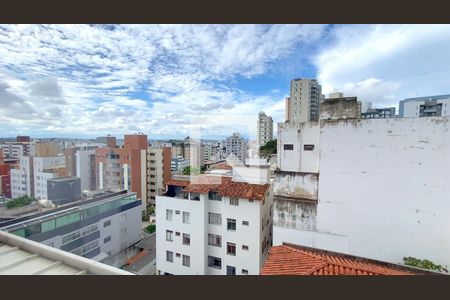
x=95 y=228
x=390 y=169
x=158 y=171
x=426 y=108
x=236 y=148
x=304 y=101
x=264 y=128
x=215 y=225
x=411 y=112
x=379 y=113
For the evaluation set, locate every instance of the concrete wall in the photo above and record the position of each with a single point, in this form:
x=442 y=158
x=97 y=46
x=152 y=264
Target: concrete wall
x=384 y=186
x=296 y=185
x=340 y=108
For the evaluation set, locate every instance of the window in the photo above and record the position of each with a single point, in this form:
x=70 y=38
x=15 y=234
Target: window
x=214 y=262
x=214 y=196
x=186 y=260
x=169 y=256
x=308 y=147
x=89 y=230
x=177 y=233
x=195 y=196
x=186 y=217
x=186 y=239
x=71 y=237
x=214 y=218
x=169 y=235
x=231 y=224
x=244 y=272
x=106 y=239
x=244 y=247
x=214 y=240
x=231 y=270
x=177 y=212
x=169 y=214
x=288 y=147
x=178 y=255
x=231 y=248
x=152 y=154
x=107 y=223
x=245 y=223
x=234 y=201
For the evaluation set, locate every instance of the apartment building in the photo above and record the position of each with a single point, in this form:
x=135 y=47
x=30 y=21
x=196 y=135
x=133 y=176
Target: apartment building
x=405 y=109
x=96 y=228
x=80 y=162
x=215 y=225
x=45 y=168
x=264 y=128
x=236 y=148
x=304 y=101
x=287 y=107
x=178 y=164
x=426 y=108
x=125 y=168
x=158 y=171
x=379 y=113
x=192 y=151
x=16 y=150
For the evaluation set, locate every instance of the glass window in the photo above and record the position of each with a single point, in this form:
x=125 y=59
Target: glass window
x=214 y=262
x=89 y=230
x=245 y=223
x=231 y=270
x=169 y=235
x=186 y=260
x=214 y=240
x=67 y=219
x=106 y=239
x=186 y=217
x=288 y=147
x=244 y=272
x=231 y=248
x=169 y=256
x=214 y=218
x=48 y=225
x=308 y=147
x=244 y=247
x=107 y=223
x=234 y=201
x=169 y=214
x=231 y=224
x=71 y=237
x=214 y=196
x=186 y=239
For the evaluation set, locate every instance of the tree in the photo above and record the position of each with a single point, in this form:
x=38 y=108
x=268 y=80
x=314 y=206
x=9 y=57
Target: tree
x=423 y=264
x=19 y=202
x=150 y=228
x=191 y=171
x=268 y=149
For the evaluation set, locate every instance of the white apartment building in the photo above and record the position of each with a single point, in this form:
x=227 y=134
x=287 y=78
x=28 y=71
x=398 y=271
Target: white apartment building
x=178 y=164
x=265 y=128
x=215 y=225
x=236 y=148
x=22 y=178
x=16 y=150
x=426 y=108
x=45 y=168
x=382 y=190
x=304 y=100
x=158 y=171
x=85 y=168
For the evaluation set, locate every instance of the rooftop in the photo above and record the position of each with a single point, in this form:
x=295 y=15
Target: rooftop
x=289 y=259
x=20 y=256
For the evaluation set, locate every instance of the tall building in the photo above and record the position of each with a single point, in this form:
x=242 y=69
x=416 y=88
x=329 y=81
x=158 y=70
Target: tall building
x=95 y=228
x=45 y=168
x=23 y=139
x=265 y=128
x=80 y=162
x=236 y=148
x=287 y=107
x=304 y=103
x=215 y=225
x=45 y=149
x=17 y=150
x=410 y=111
x=379 y=113
x=158 y=171
x=433 y=107
x=5 y=177
x=178 y=164
x=192 y=151
x=119 y=169
x=108 y=141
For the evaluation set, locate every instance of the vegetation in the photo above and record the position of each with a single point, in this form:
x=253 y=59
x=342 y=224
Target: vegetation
x=150 y=228
x=146 y=215
x=191 y=171
x=268 y=149
x=19 y=202
x=423 y=264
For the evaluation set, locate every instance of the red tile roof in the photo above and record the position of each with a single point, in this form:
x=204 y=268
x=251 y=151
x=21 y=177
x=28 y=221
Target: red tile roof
x=298 y=260
x=222 y=166
x=223 y=185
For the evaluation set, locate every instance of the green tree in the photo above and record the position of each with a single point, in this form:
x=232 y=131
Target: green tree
x=19 y=202
x=191 y=171
x=268 y=149
x=423 y=264
x=150 y=228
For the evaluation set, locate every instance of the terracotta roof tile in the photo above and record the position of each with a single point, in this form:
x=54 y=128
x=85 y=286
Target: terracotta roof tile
x=176 y=182
x=297 y=260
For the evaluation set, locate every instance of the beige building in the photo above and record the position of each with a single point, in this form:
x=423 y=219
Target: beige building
x=158 y=171
x=46 y=149
x=304 y=103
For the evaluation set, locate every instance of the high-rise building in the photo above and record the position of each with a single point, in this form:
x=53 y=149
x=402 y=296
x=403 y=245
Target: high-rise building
x=192 y=151
x=236 y=148
x=215 y=225
x=265 y=128
x=23 y=139
x=434 y=107
x=80 y=162
x=287 y=107
x=304 y=103
x=5 y=177
x=158 y=171
x=45 y=149
x=119 y=169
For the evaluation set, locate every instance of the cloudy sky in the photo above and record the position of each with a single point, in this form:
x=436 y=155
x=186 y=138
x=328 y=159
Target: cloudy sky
x=170 y=81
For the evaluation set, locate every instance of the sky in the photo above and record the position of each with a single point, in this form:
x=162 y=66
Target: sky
x=207 y=81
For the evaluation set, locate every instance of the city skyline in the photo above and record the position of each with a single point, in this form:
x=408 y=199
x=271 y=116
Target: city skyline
x=169 y=81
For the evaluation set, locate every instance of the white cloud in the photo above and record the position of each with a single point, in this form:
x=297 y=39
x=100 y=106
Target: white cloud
x=386 y=63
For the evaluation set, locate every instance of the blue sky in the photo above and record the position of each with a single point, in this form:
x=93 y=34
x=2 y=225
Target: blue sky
x=171 y=81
